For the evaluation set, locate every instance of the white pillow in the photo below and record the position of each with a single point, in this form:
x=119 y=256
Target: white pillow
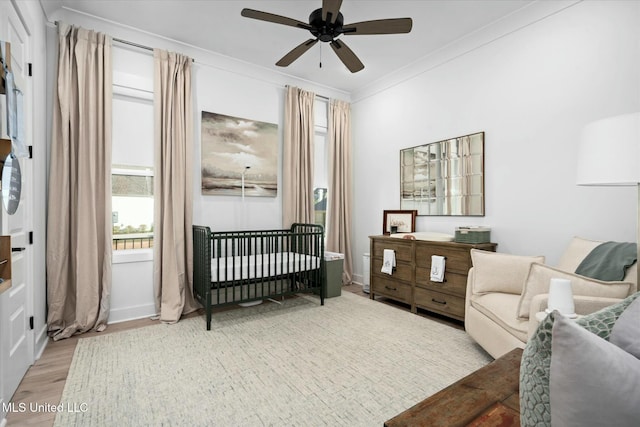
x=498 y=272
x=539 y=276
x=591 y=382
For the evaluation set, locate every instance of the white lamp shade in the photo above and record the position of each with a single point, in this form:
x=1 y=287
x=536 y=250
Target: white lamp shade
x=609 y=153
x=561 y=297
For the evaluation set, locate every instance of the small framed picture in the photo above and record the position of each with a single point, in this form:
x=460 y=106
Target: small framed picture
x=399 y=221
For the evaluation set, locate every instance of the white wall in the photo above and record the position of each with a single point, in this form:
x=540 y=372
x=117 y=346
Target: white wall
x=221 y=85
x=132 y=285
x=531 y=90
x=231 y=94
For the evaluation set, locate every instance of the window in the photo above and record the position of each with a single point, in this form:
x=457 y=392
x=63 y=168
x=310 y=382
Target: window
x=132 y=170
x=132 y=207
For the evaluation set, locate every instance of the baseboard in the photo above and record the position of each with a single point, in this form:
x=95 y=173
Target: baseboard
x=132 y=313
x=357 y=279
x=41 y=342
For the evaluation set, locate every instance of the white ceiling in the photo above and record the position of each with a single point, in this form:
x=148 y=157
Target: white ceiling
x=216 y=26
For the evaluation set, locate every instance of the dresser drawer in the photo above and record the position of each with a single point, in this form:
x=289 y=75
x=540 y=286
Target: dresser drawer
x=458 y=260
x=391 y=288
x=454 y=283
x=402 y=271
x=439 y=302
x=403 y=250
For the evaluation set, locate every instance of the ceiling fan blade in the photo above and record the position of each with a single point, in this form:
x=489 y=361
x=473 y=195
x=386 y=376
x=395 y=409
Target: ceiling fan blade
x=379 y=26
x=296 y=52
x=331 y=7
x=347 y=56
x=277 y=19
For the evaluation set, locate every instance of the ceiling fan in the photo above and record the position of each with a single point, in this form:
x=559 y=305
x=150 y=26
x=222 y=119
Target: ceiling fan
x=326 y=24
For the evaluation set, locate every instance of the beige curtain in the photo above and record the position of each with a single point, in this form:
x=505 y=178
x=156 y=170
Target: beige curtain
x=79 y=205
x=339 y=192
x=297 y=170
x=173 y=189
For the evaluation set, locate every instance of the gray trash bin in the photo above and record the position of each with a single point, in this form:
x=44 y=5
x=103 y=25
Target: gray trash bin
x=334 y=265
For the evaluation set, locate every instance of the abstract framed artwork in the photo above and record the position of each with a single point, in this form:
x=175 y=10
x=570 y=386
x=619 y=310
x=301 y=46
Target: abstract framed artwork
x=239 y=156
x=402 y=221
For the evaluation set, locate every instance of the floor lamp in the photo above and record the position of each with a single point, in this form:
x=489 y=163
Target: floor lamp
x=609 y=155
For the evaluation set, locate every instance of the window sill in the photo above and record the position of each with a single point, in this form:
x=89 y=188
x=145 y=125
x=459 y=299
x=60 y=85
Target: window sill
x=132 y=255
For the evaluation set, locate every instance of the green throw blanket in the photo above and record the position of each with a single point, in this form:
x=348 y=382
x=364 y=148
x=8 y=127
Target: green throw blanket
x=608 y=261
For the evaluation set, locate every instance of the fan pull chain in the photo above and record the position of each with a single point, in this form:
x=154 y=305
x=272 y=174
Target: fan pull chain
x=321 y=56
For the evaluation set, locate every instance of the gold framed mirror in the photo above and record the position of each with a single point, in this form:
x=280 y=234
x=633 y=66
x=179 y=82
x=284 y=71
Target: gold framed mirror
x=445 y=177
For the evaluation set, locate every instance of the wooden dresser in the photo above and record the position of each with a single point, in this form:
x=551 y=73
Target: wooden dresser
x=410 y=281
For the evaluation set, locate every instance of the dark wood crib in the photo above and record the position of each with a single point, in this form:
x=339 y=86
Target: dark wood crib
x=233 y=267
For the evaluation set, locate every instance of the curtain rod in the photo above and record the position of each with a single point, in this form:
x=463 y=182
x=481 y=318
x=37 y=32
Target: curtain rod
x=132 y=44
x=315 y=94
x=140 y=46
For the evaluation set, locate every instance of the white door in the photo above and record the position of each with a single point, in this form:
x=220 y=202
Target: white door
x=17 y=337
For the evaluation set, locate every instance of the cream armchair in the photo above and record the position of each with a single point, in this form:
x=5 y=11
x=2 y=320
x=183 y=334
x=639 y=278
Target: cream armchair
x=504 y=293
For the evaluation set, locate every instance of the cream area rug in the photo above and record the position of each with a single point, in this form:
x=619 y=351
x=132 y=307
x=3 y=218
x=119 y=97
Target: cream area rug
x=351 y=362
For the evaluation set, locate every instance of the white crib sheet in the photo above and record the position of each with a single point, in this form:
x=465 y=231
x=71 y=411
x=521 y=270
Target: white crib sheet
x=261 y=265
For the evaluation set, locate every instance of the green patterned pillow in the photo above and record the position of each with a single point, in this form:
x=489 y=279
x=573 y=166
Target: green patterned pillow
x=536 y=361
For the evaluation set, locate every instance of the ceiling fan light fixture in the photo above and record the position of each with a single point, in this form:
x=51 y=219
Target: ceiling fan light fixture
x=326 y=24
x=325 y=31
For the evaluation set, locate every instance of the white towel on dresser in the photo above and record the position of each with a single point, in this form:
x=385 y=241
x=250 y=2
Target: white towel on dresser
x=388 y=261
x=437 y=268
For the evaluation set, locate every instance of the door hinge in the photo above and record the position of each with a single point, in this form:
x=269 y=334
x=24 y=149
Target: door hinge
x=31 y=151
x=29 y=65
x=31 y=323
x=31 y=237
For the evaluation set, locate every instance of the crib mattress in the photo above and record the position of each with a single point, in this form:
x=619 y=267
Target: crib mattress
x=261 y=266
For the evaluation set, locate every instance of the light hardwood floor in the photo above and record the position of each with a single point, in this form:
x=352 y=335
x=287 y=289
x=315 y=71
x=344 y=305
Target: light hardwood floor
x=44 y=382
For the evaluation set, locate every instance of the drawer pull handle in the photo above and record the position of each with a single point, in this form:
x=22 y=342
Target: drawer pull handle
x=390 y=288
x=438 y=302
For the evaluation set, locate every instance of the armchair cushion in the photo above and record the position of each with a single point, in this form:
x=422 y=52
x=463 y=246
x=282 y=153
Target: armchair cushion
x=591 y=381
x=501 y=309
x=499 y=272
x=539 y=276
x=577 y=250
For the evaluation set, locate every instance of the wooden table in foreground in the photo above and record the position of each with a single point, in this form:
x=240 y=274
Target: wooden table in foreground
x=487 y=397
